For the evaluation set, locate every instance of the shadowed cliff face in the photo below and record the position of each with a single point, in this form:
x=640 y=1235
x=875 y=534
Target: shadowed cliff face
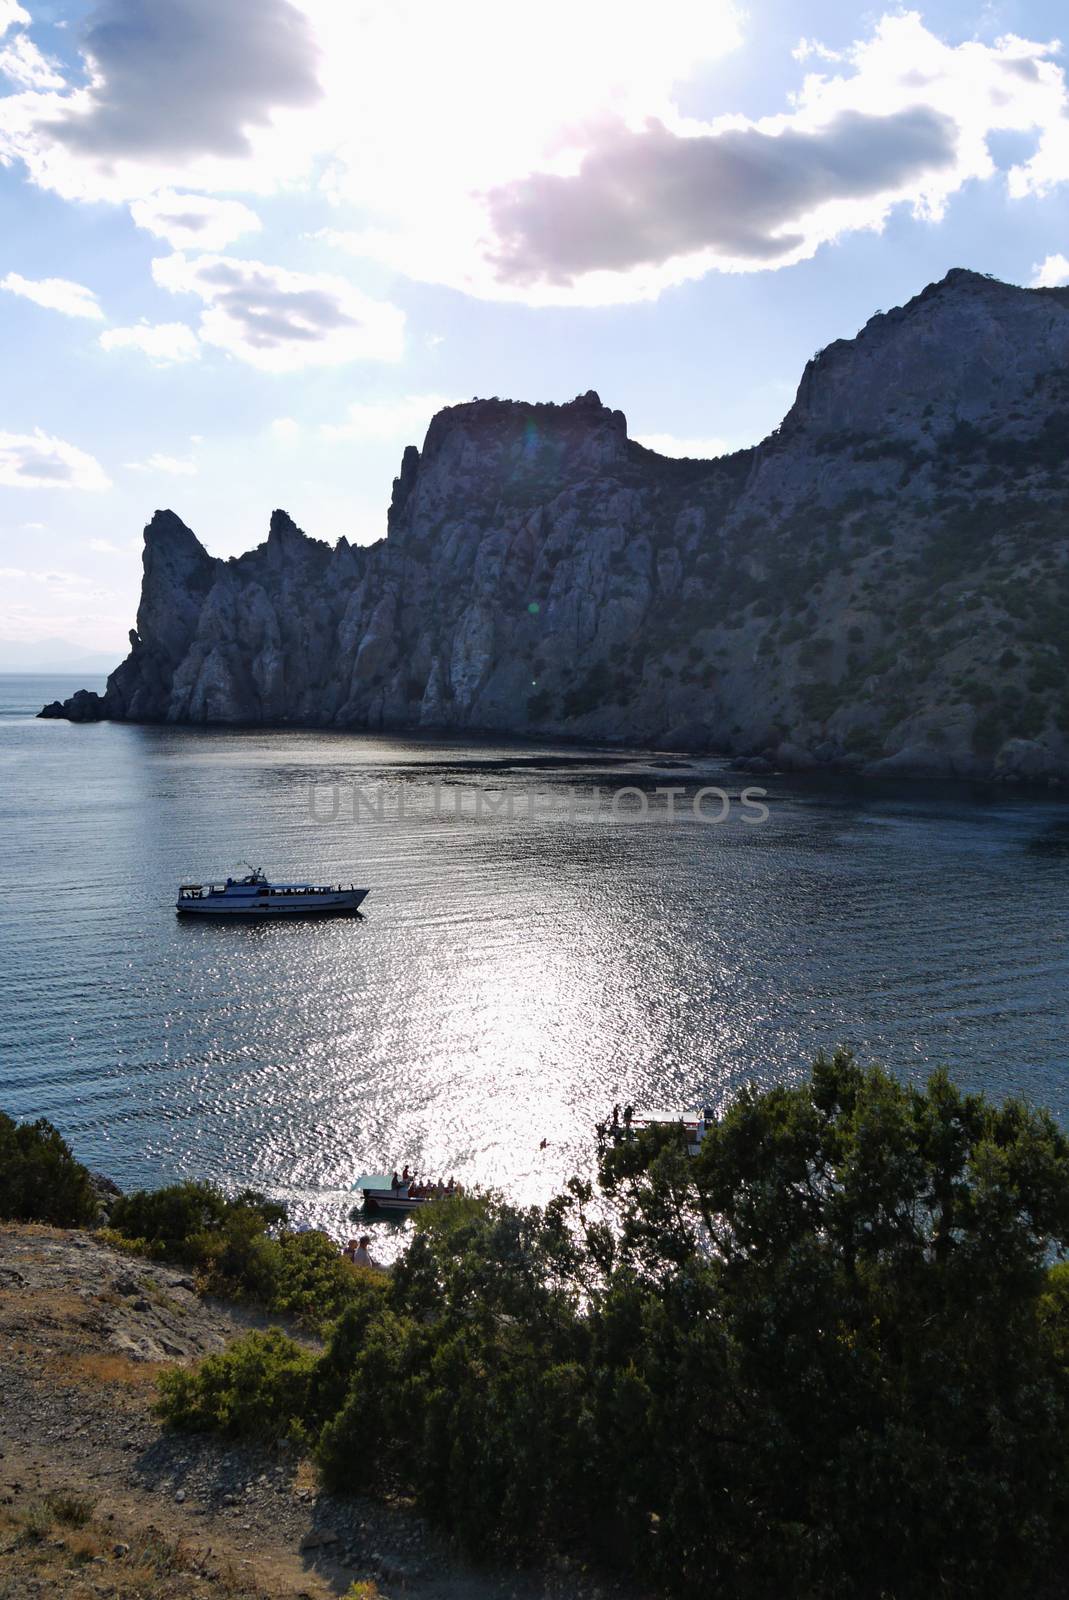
x=884 y=582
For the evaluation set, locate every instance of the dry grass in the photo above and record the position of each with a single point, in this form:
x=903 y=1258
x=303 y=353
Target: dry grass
x=85 y=1544
x=57 y=1546
x=72 y=1510
x=103 y=1367
x=306 y=1477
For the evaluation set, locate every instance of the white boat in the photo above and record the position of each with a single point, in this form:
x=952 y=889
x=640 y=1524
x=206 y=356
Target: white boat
x=694 y=1124
x=253 y=896
x=382 y=1194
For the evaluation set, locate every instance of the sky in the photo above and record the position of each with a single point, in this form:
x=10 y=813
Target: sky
x=248 y=249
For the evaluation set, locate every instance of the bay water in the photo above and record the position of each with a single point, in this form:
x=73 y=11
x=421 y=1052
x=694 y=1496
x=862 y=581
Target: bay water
x=537 y=945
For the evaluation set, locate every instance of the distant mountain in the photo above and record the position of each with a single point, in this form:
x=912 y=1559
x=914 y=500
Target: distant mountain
x=52 y=655
x=883 y=584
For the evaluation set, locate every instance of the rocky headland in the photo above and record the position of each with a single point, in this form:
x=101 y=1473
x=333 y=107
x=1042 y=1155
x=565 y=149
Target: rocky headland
x=881 y=585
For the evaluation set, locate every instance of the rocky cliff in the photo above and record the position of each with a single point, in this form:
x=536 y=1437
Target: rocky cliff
x=883 y=583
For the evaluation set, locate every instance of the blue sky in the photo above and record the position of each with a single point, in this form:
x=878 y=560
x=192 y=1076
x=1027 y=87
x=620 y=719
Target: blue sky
x=247 y=249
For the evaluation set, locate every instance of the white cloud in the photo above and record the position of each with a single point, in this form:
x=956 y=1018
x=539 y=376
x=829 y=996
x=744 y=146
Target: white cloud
x=739 y=197
x=24 y=65
x=177 y=91
x=627 y=195
x=547 y=163
x=194 y=221
x=66 y=580
x=807 y=49
x=1051 y=272
x=284 y=429
x=670 y=444
x=39 y=461
x=57 y=294
x=20 y=60
x=279 y=320
x=12 y=15
x=905 y=120
x=405 y=417
x=162 y=342
x=250 y=96
x=176 y=466
x=104 y=547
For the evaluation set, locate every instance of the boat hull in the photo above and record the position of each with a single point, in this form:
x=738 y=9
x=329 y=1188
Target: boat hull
x=394 y=1203
x=272 y=906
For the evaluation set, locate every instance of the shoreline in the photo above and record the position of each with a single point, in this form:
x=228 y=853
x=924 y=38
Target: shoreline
x=899 y=768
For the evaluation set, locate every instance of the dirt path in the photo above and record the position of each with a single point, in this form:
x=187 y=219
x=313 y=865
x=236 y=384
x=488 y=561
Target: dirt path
x=97 y=1500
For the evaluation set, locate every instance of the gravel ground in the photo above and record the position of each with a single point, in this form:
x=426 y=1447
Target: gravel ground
x=84 y=1330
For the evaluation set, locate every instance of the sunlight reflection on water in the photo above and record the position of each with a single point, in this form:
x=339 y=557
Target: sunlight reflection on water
x=511 y=979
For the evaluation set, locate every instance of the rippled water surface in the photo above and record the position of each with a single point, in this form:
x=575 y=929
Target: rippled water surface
x=510 y=978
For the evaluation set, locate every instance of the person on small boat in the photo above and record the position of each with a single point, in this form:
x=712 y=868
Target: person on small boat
x=395 y=1181
x=629 y=1112
x=406 y=1176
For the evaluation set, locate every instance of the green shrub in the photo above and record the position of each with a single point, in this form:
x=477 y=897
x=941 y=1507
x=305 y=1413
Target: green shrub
x=195 y=1223
x=989 y=731
x=299 y=1275
x=306 y=1278
x=827 y=1358
x=258 y=1385
x=40 y=1181
x=173 y=1221
x=819 y=700
x=595 y=689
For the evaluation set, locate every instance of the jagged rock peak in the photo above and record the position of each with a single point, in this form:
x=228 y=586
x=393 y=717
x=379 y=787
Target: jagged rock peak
x=285 y=545
x=495 y=418
x=403 y=484
x=283 y=526
x=168 y=530
x=968 y=348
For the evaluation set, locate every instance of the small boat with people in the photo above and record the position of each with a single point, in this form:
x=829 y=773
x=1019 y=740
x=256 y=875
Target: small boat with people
x=402 y=1192
x=253 y=896
x=627 y=1124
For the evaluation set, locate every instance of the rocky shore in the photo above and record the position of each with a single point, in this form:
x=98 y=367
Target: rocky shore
x=881 y=586
x=97 y=1500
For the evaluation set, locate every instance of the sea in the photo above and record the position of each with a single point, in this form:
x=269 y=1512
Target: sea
x=549 y=931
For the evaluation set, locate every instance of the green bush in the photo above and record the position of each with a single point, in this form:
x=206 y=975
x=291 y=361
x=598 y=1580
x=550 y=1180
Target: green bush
x=173 y=1221
x=258 y=1385
x=300 y=1275
x=306 y=1278
x=819 y=701
x=827 y=1358
x=40 y=1181
x=195 y=1223
x=989 y=731
x=594 y=690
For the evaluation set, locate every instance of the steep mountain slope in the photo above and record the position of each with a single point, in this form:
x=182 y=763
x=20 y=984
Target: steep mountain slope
x=884 y=582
